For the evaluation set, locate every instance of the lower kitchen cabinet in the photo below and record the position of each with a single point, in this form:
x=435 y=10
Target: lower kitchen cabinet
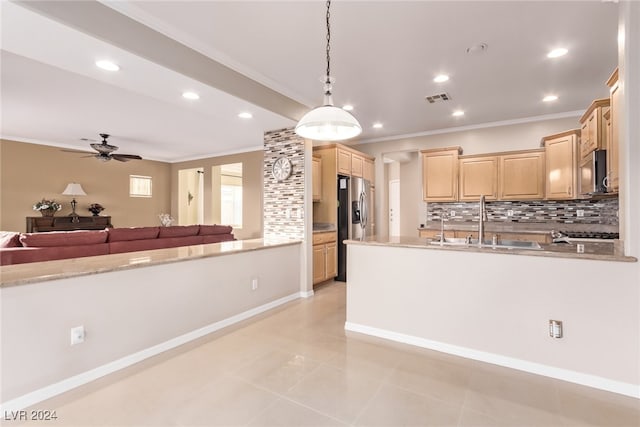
x=325 y=256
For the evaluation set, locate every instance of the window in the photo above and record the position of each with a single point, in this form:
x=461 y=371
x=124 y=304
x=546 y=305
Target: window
x=231 y=194
x=139 y=186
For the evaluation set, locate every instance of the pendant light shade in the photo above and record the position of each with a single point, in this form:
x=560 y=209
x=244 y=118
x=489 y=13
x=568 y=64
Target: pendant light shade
x=328 y=123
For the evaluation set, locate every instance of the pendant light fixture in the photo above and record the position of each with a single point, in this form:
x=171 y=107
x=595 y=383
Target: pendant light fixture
x=328 y=123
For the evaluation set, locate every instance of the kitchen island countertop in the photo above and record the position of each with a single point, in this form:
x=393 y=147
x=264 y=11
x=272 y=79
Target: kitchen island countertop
x=601 y=251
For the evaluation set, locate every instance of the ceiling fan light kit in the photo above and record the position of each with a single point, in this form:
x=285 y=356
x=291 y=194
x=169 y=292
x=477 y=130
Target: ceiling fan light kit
x=105 y=151
x=328 y=123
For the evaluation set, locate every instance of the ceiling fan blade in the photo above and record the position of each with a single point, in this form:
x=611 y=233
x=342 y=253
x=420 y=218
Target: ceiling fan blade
x=76 y=151
x=125 y=157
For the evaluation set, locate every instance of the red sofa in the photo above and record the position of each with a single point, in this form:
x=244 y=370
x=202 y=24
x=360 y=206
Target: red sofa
x=19 y=248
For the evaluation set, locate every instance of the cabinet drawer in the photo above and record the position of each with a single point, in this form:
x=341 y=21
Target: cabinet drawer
x=319 y=238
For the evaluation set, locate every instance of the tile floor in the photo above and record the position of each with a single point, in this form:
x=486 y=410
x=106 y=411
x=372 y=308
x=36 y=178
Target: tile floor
x=296 y=366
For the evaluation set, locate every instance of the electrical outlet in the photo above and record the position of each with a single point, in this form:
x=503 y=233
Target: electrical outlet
x=510 y=212
x=254 y=284
x=452 y=214
x=580 y=248
x=580 y=213
x=555 y=328
x=77 y=335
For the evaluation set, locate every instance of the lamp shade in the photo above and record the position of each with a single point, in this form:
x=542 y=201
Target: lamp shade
x=74 y=189
x=328 y=123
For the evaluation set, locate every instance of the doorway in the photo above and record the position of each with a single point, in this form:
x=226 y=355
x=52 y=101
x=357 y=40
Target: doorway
x=191 y=196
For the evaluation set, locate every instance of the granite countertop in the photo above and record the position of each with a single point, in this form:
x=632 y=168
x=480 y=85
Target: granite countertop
x=323 y=227
x=602 y=251
x=21 y=274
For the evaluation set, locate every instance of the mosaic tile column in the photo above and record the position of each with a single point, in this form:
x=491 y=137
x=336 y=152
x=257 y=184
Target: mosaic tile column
x=284 y=201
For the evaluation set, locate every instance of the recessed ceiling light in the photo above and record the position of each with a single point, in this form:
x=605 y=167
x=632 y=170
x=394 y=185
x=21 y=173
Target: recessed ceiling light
x=555 y=53
x=549 y=98
x=377 y=125
x=441 y=78
x=458 y=113
x=107 y=65
x=245 y=115
x=347 y=107
x=190 y=95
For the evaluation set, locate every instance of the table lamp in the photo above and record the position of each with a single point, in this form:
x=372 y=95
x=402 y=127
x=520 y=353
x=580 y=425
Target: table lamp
x=74 y=189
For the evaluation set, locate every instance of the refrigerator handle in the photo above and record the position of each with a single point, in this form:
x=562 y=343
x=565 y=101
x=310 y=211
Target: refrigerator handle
x=365 y=210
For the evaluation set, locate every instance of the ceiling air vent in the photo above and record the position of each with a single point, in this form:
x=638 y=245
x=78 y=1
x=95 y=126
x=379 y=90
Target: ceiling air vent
x=438 y=98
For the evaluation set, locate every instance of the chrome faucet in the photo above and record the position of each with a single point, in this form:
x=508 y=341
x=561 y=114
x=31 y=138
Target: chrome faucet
x=482 y=213
x=442 y=217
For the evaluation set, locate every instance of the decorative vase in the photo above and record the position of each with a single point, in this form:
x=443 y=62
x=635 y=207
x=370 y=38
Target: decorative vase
x=96 y=211
x=47 y=212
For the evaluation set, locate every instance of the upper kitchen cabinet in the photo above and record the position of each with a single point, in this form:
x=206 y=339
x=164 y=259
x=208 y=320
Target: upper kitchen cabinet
x=357 y=165
x=440 y=174
x=593 y=131
x=613 y=153
x=521 y=175
x=561 y=165
x=344 y=162
x=317 y=178
x=478 y=177
x=369 y=171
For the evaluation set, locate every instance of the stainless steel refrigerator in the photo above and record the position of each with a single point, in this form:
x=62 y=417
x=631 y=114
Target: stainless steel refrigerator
x=353 y=216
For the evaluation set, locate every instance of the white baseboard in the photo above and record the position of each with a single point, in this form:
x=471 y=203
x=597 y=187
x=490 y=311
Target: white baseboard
x=306 y=294
x=497 y=359
x=65 y=385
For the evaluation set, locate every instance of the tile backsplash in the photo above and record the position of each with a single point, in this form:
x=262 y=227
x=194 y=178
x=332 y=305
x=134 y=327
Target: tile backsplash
x=604 y=211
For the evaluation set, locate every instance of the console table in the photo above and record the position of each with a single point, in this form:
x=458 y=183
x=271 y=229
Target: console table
x=36 y=224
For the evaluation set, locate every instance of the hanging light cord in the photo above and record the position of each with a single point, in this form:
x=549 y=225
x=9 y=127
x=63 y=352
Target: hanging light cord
x=328 y=89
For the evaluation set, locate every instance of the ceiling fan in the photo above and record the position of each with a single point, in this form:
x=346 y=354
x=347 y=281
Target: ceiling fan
x=106 y=151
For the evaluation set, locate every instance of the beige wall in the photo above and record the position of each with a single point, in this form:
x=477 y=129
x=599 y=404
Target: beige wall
x=475 y=141
x=252 y=186
x=30 y=172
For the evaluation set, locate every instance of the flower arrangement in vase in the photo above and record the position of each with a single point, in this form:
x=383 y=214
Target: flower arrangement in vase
x=47 y=207
x=166 y=219
x=95 y=208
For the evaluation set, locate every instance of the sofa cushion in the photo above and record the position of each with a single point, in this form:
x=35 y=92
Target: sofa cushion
x=208 y=230
x=133 y=233
x=40 y=254
x=217 y=238
x=179 y=231
x=64 y=238
x=9 y=239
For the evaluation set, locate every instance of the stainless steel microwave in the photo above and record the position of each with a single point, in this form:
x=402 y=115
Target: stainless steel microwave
x=593 y=173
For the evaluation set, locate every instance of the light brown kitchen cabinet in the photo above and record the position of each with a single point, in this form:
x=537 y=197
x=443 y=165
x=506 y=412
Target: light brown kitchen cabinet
x=325 y=256
x=369 y=172
x=344 y=162
x=357 y=165
x=561 y=166
x=435 y=234
x=316 y=178
x=478 y=176
x=440 y=174
x=613 y=153
x=521 y=176
x=593 y=132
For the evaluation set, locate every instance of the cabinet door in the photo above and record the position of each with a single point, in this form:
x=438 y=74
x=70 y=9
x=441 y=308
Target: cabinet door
x=344 y=162
x=440 y=175
x=479 y=176
x=357 y=165
x=319 y=263
x=521 y=176
x=613 y=171
x=317 y=179
x=331 y=266
x=369 y=173
x=561 y=167
x=584 y=140
x=433 y=234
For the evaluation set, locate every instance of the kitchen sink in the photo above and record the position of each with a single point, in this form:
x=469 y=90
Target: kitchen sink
x=501 y=244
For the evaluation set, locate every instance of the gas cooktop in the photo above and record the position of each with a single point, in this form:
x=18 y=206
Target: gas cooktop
x=590 y=235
